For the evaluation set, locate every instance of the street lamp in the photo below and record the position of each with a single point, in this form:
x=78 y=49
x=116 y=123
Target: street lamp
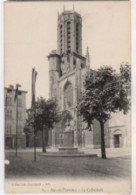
x=16 y=99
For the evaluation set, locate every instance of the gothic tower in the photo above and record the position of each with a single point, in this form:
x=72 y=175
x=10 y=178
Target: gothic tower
x=69 y=33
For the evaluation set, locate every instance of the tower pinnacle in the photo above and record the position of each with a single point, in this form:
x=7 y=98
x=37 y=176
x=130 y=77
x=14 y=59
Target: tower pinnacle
x=87 y=58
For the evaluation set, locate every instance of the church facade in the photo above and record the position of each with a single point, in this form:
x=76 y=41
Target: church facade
x=67 y=71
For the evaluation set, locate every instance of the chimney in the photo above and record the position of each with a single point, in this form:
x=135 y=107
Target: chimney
x=11 y=86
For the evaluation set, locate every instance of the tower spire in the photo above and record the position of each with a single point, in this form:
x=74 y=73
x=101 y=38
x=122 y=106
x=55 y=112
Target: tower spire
x=63 y=8
x=87 y=58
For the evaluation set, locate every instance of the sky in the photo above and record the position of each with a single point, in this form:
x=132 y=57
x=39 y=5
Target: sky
x=30 y=33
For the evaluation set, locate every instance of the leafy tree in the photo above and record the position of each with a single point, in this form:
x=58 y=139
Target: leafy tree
x=105 y=92
x=43 y=116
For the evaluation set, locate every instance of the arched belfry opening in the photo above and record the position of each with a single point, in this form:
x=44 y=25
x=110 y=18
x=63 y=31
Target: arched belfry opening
x=68 y=95
x=68 y=36
x=61 y=38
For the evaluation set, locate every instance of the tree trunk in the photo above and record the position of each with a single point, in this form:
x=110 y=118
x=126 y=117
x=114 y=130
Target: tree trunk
x=46 y=137
x=103 y=152
x=43 y=141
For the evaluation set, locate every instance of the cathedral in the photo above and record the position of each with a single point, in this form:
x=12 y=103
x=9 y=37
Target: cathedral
x=67 y=71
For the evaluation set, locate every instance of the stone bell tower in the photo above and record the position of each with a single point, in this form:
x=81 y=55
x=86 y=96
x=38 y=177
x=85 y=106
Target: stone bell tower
x=69 y=33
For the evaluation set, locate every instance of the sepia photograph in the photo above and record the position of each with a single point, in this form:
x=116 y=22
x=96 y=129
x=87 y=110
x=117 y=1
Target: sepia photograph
x=67 y=97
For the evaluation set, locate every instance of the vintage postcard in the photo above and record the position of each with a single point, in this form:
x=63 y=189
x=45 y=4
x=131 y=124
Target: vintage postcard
x=67 y=97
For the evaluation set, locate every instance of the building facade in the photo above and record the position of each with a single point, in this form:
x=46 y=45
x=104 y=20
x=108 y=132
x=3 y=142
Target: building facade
x=119 y=128
x=67 y=70
x=12 y=107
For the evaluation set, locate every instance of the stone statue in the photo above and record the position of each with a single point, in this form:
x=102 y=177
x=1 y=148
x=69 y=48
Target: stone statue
x=68 y=127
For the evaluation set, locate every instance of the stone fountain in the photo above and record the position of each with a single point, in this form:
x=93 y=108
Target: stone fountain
x=67 y=145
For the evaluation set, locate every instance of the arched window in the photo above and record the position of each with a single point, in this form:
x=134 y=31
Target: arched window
x=74 y=63
x=68 y=95
x=61 y=45
x=77 y=34
x=68 y=35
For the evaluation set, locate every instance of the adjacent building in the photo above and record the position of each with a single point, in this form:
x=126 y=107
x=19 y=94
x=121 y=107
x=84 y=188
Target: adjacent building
x=119 y=130
x=12 y=107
